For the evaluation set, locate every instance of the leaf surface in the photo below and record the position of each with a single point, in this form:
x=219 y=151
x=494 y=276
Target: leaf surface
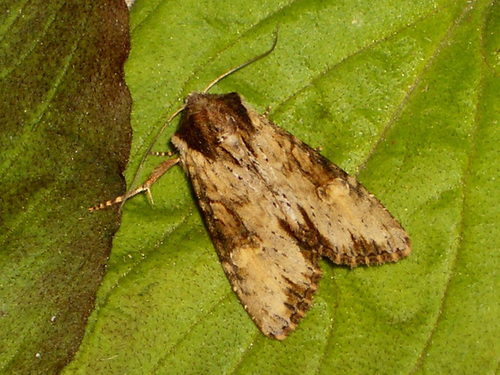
x=64 y=139
x=404 y=96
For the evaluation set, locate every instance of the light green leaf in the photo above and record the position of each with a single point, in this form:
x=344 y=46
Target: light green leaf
x=403 y=95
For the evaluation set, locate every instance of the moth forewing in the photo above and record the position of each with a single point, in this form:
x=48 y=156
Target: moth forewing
x=274 y=206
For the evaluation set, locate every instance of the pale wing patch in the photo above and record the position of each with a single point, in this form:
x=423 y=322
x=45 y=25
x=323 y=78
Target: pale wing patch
x=276 y=289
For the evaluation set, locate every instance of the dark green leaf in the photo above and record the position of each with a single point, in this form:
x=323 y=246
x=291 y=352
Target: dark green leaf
x=64 y=140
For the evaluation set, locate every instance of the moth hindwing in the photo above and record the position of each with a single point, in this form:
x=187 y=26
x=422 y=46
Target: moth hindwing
x=274 y=206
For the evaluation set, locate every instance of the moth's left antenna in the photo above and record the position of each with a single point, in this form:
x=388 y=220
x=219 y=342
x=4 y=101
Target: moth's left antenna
x=213 y=83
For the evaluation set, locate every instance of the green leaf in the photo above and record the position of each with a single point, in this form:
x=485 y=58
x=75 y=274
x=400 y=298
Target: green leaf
x=406 y=97
x=65 y=121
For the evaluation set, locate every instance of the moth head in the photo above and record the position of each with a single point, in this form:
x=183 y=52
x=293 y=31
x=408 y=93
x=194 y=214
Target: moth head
x=211 y=120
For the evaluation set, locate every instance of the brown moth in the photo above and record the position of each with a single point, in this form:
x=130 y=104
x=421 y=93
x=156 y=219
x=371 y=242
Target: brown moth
x=273 y=207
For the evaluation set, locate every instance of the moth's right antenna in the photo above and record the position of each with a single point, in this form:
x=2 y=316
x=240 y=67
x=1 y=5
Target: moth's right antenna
x=251 y=61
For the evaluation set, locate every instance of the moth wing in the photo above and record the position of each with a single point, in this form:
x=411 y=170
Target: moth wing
x=332 y=209
x=273 y=206
x=274 y=279
x=323 y=206
x=273 y=275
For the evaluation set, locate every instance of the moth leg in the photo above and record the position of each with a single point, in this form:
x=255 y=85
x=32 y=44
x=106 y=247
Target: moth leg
x=162 y=153
x=146 y=186
x=266 y=112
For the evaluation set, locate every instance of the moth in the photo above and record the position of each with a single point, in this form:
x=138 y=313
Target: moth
x=273 y=207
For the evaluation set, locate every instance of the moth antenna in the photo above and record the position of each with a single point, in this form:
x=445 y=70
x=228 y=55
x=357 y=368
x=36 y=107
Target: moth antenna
x=151 y=145
x=239 y=67
x=213 y=83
